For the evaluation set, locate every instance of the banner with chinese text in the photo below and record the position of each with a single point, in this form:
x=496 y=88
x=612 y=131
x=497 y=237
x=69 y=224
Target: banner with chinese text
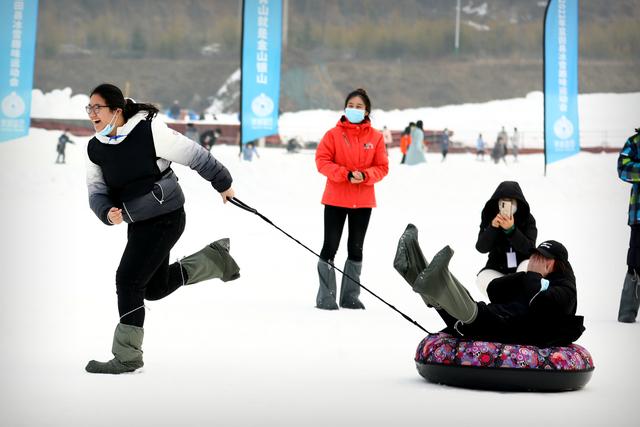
x=561 y=127
x=261 y=45
x=18 y=22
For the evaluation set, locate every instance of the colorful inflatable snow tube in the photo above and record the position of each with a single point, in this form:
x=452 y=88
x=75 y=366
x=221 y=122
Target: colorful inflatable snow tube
x=459 y=362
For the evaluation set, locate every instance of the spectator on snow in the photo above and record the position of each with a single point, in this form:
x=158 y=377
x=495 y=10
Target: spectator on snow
x=535 y=307
x=63 y=140
x=480 y=144
x=352 y=156
x=629 y=171
x=133 y=182
x=248 y=151
x=191 y=132
x=444 y=144
x=499 y=151
x=209 y=137
x=387 y=137
x=174 y=110
x=415 y=153
x=405 y=141
x=515 y=144
x=507 y=233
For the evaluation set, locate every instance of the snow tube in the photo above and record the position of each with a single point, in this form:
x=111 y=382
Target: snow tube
x=444 y=359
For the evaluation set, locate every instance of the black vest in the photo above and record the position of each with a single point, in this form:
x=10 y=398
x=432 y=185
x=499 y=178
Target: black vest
x=129 y=168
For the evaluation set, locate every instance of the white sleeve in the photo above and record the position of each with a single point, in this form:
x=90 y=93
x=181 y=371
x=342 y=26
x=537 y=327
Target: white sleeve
x=175 y=147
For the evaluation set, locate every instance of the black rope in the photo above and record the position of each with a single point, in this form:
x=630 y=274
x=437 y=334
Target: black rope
x=239 y=203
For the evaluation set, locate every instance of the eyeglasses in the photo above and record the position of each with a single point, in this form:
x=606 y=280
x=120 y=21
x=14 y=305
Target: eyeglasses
x=95 y=108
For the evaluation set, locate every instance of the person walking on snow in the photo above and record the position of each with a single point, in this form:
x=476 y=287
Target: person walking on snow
x=508 y=232
x=415 y=153
x=353 y=157
x=129 y=178
x=480 y=144
x=629 y=171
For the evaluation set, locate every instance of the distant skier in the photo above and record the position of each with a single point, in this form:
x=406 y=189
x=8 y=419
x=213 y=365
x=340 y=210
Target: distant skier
x=63 y=140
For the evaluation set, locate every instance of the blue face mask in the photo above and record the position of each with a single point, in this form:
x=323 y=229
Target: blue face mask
x=108 y=128
x=354 y=115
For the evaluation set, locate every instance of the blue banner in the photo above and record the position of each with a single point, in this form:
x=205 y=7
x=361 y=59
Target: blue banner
x=261 y=45
x=561 y=127
x=18 y=22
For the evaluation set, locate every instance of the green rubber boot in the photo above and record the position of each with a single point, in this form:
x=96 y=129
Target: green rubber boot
x=409 y=260
x=126 y=349
x=350 y=290
x=326 y=297
x=211 y=262
x=437 y=284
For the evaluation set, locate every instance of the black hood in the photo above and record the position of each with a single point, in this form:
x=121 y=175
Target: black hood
x=508 y=190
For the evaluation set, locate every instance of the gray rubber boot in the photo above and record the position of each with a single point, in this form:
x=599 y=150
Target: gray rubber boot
x=126 y=349
x=409 y=260
x=437 y=284
x=630 y=299
x=350 y=290
x=211 y=262
x=326 y=298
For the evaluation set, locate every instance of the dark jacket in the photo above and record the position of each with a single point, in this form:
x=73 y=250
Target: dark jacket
x=498 y=243
x=521 y=313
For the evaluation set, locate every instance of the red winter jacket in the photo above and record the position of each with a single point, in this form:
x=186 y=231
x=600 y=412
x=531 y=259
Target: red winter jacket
x=347 y=148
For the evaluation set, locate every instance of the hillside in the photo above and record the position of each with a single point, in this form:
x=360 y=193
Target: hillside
x=403 y=55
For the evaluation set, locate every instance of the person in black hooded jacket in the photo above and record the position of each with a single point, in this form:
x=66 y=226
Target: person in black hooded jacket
x=535 y=307
x=508 y=239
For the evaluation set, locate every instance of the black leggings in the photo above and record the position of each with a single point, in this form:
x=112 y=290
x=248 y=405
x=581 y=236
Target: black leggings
x=334 y=218
x=144 y=271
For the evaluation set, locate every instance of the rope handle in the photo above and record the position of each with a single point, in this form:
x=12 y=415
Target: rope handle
x=239 y=203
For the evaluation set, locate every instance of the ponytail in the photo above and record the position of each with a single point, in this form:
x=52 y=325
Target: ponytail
x=132 y=108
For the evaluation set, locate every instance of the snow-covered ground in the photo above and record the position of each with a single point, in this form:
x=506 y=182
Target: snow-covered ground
x=255 y=351
x=605 y=118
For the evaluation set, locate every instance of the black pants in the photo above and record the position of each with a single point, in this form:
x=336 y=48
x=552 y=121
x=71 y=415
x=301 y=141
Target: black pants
x=334 y=219
x=633 y=255
x=144 y=271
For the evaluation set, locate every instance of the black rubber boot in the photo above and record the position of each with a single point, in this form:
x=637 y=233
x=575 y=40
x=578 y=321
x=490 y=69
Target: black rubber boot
x=630 y=298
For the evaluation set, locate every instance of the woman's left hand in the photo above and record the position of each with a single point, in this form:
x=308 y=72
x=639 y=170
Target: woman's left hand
x=357 y=177
x=227 y=194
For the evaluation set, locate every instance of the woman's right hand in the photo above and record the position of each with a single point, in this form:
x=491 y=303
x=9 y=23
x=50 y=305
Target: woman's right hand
x=495 y=223
x=115 y=215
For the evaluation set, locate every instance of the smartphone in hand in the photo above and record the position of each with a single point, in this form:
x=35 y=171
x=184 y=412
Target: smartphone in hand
x=505 y=208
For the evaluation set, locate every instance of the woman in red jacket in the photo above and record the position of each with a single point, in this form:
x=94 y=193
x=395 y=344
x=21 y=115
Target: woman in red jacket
x=352 y=156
